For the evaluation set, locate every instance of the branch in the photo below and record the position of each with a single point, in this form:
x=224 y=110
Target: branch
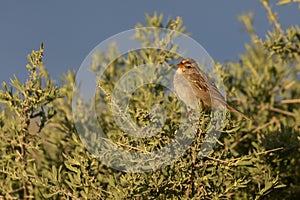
x=273 y=18
x=290 y=100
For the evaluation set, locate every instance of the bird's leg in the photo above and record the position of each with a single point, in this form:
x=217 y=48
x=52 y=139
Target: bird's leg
x=190 y=111
x=190 y=115
x=201 y=111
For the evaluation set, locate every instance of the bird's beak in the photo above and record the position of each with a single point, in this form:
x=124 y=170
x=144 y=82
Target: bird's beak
x=180 y=65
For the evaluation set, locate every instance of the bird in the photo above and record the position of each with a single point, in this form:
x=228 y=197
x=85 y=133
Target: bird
x=191 y=85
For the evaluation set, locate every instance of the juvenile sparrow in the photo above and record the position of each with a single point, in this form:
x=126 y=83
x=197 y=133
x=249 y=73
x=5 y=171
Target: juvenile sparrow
x=191 y=84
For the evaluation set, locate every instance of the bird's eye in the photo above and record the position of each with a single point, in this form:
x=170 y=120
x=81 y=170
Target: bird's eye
x=188 y=66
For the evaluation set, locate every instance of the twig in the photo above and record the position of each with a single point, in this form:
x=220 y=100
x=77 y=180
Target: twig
x=282 y=111
x=273 y=18
x=290 y=84
x=264 y=125
x=131 y=147
x=221 y=161
x=269 y=151
x=290 y=100
x=264 y=107
x=240 y=140
x=227 y=161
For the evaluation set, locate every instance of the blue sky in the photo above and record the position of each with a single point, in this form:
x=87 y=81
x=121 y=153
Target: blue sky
x=71 y=29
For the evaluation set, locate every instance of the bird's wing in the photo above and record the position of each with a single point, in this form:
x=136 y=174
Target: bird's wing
x=208 y=91
x=198 y=82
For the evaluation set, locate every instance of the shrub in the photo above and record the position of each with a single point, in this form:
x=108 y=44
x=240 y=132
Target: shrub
x=43 y=157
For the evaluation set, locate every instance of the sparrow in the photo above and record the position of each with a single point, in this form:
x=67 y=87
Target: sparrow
x=192 y=85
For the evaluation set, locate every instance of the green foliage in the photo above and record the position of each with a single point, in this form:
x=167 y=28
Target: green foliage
x=43 y=157
x=26 y=104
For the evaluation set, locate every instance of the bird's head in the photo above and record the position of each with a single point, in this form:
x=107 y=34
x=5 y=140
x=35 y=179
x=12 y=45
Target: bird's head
x=187 y=66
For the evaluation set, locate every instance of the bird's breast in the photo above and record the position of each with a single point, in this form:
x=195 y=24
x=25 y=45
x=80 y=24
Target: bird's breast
x=184 y=91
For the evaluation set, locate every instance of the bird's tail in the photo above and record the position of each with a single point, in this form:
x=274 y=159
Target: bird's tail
x=237 y=111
